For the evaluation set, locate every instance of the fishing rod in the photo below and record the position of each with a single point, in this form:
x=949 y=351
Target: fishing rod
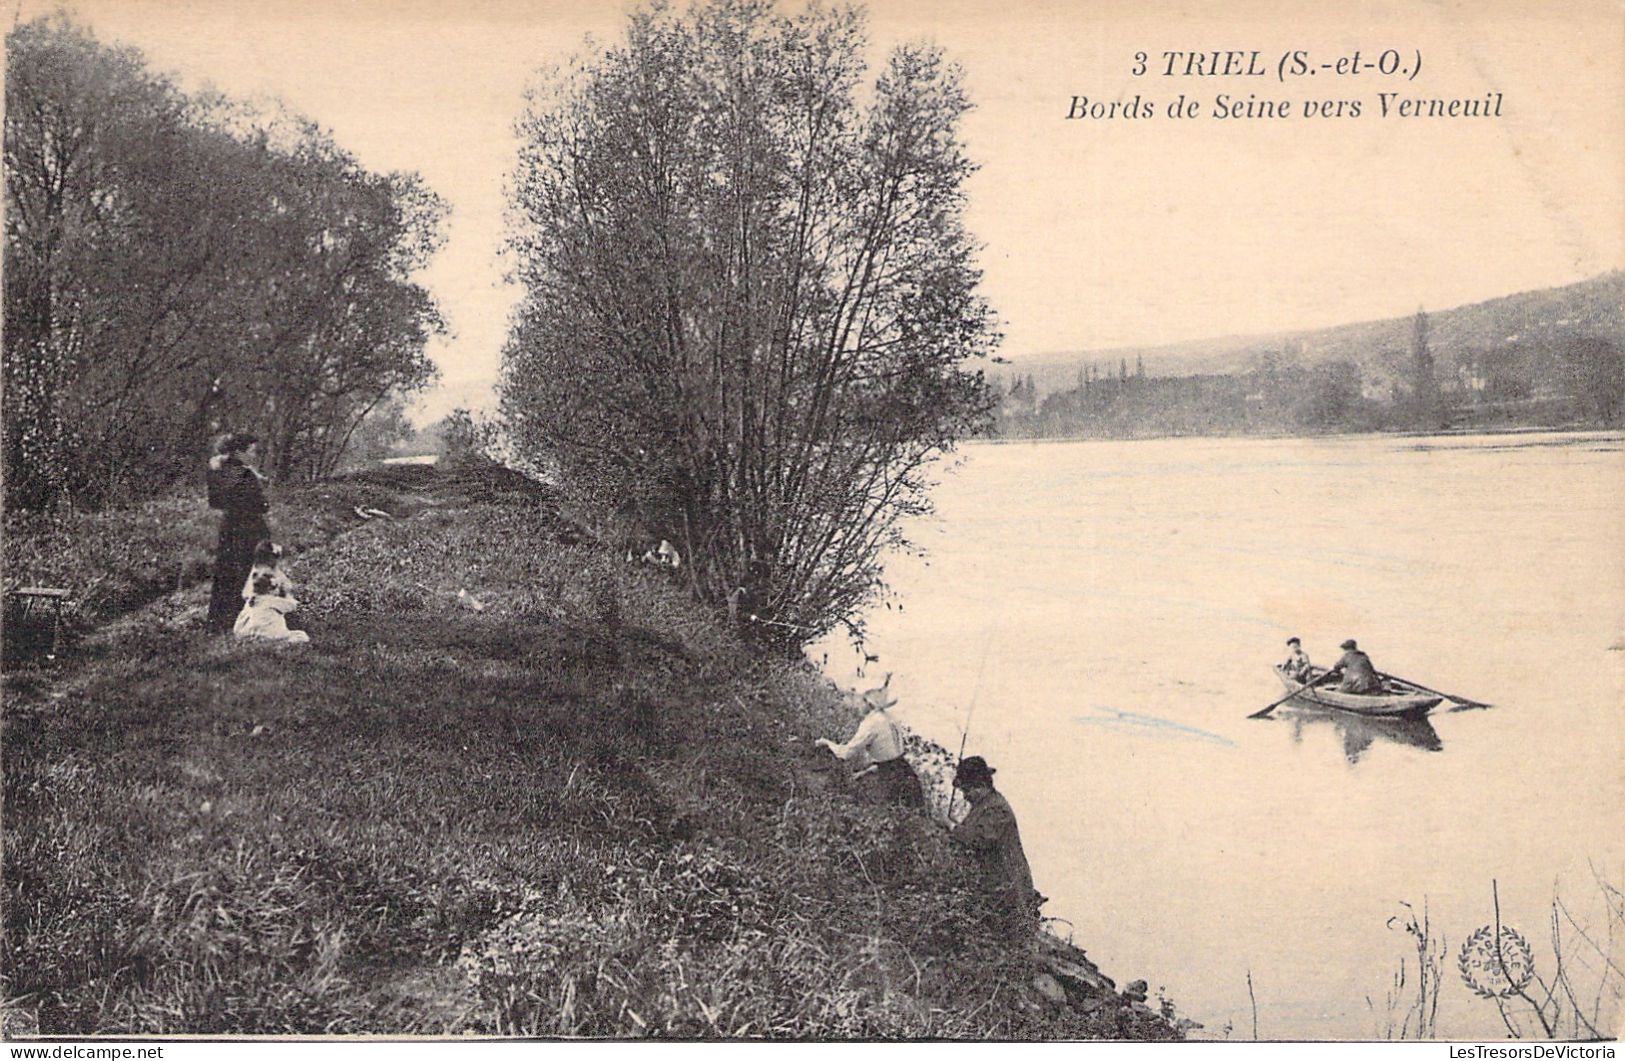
x=964 y=734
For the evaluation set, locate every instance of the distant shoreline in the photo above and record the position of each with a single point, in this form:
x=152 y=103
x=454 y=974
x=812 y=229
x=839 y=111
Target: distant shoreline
x=1277 y=436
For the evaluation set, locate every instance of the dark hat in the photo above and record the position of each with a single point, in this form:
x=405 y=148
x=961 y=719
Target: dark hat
x=973 y=771
x=1293 y=641
x=1349 y=644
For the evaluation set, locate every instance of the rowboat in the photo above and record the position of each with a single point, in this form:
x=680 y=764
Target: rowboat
x=1400 y=699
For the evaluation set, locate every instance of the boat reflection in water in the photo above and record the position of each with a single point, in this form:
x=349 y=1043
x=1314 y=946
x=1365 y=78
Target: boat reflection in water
x=1359 y=732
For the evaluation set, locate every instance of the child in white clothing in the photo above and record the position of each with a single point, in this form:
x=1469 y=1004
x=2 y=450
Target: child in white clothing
x=267 y=600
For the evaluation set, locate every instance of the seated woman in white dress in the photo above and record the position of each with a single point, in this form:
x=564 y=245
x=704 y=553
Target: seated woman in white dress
x=267 y=600
x=878 y=744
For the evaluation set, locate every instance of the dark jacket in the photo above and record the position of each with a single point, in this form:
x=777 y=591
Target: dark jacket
x=1359 y=676
x=990 y=830
x=235 y=488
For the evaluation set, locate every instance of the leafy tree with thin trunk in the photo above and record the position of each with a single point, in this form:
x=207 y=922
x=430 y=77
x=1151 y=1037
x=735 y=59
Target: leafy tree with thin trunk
x=750 y=296
x=1426 y=403
x=178 y=264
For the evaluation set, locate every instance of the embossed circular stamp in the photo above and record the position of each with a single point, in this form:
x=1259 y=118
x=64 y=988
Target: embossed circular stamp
x=1496 y=969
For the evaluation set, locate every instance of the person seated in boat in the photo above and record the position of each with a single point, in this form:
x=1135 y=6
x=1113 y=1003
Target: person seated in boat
x=1355 y=671
x=878 y=745
x=1297 y=665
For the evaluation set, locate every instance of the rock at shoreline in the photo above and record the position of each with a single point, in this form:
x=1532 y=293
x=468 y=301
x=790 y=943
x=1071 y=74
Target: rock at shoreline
x=1047 y=986
x=1071 y=967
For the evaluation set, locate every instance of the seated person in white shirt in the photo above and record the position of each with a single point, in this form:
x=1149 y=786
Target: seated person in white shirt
x=878 y=745
x=1297 y=666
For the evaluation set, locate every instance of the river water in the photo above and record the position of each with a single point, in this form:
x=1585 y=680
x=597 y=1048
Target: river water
x=1105 y=615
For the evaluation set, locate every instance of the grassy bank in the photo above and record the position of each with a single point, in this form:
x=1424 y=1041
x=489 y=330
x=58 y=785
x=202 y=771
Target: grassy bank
x=564 y=800
x=121 y=559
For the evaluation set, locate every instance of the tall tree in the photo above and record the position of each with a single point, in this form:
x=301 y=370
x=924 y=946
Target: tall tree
x=173 y=263
x=750 y=298
x=1426 y=403
x=341 y=327
x=1595 y=374
x=85 y=128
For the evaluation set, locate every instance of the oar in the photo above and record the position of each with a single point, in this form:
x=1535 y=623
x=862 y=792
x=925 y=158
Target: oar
x=1462 y=700
x=1288 y=696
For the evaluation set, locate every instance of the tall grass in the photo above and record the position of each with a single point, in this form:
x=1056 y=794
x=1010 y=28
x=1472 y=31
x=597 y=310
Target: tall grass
x=1411 y=1004
x=1571 y=989
x=116 y=560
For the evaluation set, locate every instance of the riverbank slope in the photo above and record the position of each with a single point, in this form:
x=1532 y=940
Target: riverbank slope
x=513 y=786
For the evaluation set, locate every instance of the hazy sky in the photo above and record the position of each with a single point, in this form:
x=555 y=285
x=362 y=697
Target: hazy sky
x=1096 y=233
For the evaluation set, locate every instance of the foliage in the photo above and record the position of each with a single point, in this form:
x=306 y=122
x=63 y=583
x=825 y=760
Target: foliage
x=1421 y=405
x=1579 y=381
x=177 y=265
x=1548 y=359
x=749 y=297
x=1275 y=397
x=1594 y=370
x=377 y=435
x=465 y=435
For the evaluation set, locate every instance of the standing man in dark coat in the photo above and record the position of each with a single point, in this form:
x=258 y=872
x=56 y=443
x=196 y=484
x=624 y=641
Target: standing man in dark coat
x=990 y=831
x=238 y=491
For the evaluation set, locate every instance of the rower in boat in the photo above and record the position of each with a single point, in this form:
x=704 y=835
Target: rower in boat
x=1356 y=670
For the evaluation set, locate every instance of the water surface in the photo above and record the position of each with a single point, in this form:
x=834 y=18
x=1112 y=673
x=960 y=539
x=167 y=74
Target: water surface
x=1105 y=613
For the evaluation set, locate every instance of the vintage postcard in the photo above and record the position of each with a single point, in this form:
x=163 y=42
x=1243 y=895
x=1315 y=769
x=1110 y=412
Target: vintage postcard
x=751 y=519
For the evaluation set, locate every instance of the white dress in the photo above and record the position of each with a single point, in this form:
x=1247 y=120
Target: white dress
x=267 y=600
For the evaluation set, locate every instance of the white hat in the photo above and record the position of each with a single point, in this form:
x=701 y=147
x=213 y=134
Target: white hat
x=878 y=699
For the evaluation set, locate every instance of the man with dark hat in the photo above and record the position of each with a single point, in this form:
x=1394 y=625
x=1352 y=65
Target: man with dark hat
x=990 y=831
x=1359 y=676
x=238 y=491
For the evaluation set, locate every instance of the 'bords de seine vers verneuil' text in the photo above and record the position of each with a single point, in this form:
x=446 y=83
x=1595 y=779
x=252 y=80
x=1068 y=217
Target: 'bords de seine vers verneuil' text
x=1225 y=105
